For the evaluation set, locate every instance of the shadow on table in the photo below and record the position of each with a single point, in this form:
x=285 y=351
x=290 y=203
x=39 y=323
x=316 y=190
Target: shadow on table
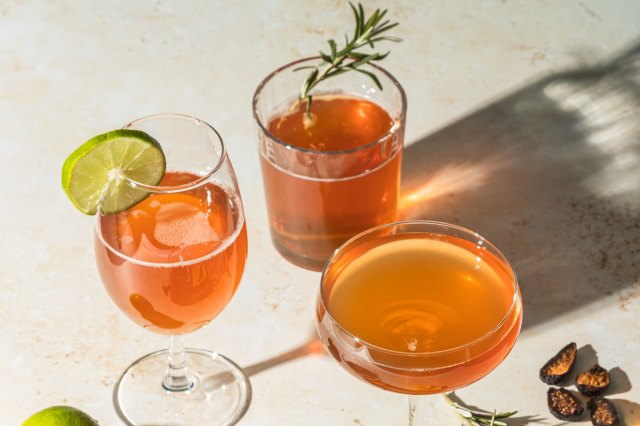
x=551 y=175
x=311 y=347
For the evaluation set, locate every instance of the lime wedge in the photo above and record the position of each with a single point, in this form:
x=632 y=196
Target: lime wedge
x=60 y=415
x=95 y=175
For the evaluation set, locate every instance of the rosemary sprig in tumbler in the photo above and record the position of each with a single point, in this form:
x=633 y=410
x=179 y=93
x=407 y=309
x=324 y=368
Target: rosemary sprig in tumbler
x=367 y=33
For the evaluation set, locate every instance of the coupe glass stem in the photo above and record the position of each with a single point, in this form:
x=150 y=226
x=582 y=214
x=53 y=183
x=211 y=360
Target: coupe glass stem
x=417 y=410
x=178 y=377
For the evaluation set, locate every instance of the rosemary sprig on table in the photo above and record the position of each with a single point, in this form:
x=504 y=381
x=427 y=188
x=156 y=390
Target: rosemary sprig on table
x=478 y=418
x=368 y=31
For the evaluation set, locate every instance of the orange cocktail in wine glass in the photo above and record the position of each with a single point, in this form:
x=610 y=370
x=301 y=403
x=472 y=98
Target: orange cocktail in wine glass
x=419 y=308
x=191 y=245
x=171 y=263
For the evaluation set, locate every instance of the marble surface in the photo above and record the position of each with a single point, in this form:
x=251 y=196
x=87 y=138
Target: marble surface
x=522 y=125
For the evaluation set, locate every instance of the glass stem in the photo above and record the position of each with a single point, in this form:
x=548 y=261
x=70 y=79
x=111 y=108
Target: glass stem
x=417 y=410
x=178 y=377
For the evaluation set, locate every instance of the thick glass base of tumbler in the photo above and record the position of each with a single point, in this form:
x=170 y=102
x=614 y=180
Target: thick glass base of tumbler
x=300 y=260
x=220 y=395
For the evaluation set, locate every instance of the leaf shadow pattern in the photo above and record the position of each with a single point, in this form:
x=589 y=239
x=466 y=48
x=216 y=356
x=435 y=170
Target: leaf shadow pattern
x=549 y=174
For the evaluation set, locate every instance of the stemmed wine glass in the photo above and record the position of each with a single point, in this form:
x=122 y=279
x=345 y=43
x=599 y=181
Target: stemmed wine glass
x=418 y=308
x=171 y=263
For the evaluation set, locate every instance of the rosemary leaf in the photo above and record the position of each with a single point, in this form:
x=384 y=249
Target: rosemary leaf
x=360 y=17
x=334 y=48
x=306 y=67
x=328 y=59
x=370 y=74
x=368 y=58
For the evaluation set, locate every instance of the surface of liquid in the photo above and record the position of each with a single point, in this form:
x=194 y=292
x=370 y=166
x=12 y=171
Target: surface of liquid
x=173 y=261
x=316 y=202
x=338 y=123
x=419 y=295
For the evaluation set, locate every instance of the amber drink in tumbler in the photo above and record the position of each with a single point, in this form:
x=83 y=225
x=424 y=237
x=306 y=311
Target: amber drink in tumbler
x=331 y=177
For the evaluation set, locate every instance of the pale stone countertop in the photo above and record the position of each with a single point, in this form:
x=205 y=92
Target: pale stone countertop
x=546 y=164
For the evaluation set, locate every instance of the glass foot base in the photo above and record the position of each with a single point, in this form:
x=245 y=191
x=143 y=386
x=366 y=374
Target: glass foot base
x=220 y=396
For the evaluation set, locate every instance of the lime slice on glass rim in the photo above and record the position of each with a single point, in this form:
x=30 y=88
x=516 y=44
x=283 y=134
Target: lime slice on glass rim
x=95 y=176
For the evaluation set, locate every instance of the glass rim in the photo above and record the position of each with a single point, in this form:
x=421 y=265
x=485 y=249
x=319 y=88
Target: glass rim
x=389 y=133
x=467 y=231
x=168 y=189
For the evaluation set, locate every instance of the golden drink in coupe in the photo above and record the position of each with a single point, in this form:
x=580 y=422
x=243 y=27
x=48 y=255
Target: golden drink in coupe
x=436 y=313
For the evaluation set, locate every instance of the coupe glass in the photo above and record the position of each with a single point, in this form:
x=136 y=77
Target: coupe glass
x=418 y=308
x=171 y=263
